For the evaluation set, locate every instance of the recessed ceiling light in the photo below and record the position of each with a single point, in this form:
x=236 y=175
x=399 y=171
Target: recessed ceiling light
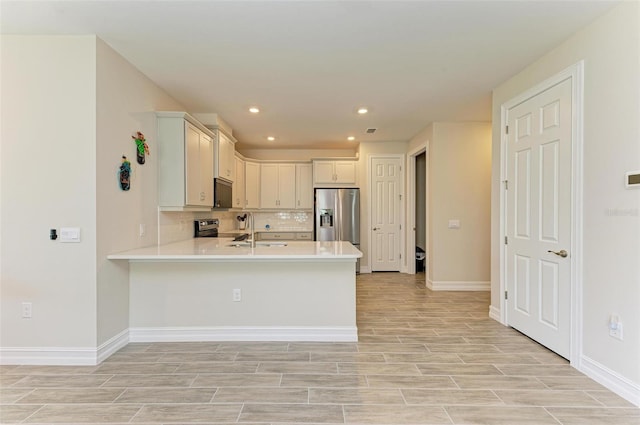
x=362 y=111
x=271 y=138
x=254 y=110
x=351 y=138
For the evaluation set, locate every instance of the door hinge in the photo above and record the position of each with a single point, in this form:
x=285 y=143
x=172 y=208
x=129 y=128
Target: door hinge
x=400 y=197
x=506 y=184
x=506 y=240
x=506 y=295
x=400 y=256
x=506 y=129
x=401 y=227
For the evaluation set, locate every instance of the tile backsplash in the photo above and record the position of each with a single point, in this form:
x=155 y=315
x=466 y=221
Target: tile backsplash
x=301 y=221
x=178 y=226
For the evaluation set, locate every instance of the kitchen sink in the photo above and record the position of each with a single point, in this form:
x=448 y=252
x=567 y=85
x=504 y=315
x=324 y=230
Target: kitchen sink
x=240 y=244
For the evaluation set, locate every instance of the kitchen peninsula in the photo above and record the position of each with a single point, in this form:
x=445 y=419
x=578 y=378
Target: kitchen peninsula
x=206 y=289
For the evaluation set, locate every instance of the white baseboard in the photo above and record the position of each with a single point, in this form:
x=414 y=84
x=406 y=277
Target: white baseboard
x=55 y=356
x=240 y=333
x=620 y=385
x=63 y=356
x=494 y=313
x=450 y=285
x=112 y=345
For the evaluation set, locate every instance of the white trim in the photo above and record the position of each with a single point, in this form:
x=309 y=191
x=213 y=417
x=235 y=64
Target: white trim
x=63 y=356
x=112 y=345
x=365 y=269
x=576 y=73
x=410 y=238
x=451 y=285
x=245 y=333
x=617 y=383
x=494 y=313
x=58 y=356
x=411 y=206
x=402 y=243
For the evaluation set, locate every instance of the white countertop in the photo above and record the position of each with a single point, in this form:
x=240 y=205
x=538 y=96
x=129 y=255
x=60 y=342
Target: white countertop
x=220 y=249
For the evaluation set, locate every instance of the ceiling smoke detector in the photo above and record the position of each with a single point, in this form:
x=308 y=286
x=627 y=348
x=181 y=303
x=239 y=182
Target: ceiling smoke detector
x=371 y=130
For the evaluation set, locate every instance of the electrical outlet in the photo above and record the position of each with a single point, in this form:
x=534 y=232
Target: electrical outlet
x=27 y=310
x=617 y=332
x=237 y=294
x=143 y=229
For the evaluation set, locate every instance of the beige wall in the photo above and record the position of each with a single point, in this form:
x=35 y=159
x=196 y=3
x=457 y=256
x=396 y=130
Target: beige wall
x=48 y=181
x=125 y=99
x=610 y=48
x=69 y=108
x=459 y=176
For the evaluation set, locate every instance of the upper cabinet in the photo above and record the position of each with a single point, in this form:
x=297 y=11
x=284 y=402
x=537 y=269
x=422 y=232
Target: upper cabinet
x=252 y=185
x=304 y=187
x=278 y=186
x=224 y=160
x=185 y=163
x=238 y=188
x=334 y=172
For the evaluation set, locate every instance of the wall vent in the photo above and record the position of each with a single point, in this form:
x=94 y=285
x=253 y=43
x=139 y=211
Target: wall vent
x=371 y=130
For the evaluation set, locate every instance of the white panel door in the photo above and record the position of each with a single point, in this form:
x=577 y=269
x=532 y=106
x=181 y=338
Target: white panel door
x=538 y=217
x=385 y=214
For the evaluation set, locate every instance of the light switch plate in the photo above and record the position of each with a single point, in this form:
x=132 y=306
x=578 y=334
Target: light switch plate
x=69 y=234
x=454 y=224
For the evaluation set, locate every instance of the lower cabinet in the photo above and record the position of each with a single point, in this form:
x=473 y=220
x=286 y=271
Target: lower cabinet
x=285 y=236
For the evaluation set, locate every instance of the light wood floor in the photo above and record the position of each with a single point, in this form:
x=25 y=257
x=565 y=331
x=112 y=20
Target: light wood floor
x=423 y=358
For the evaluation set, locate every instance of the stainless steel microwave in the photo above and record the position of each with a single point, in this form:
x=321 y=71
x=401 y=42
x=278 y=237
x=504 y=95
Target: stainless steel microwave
x=222 y=197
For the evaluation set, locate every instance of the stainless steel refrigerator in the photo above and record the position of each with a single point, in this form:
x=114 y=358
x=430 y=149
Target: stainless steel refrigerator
x=337 y=216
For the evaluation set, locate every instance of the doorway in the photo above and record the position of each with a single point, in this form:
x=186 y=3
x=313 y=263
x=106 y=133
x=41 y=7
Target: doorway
x=417 y=209
x=421 y=212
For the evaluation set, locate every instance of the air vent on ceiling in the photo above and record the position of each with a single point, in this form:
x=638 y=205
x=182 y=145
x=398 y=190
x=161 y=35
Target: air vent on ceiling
x=371 y=130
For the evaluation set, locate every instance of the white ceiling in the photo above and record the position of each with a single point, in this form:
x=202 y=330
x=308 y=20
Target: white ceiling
x=309 y=64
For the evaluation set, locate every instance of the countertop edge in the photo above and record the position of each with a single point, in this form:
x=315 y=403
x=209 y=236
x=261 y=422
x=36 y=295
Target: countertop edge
x=207 y=251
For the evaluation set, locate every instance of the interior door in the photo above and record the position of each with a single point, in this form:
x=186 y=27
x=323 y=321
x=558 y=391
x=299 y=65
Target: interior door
x=385 y=214
x=538 y=217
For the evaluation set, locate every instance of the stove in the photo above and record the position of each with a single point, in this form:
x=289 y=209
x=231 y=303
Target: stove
x=207 y=228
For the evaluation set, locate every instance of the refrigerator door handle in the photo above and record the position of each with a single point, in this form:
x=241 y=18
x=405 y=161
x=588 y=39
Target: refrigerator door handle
x=338 y=208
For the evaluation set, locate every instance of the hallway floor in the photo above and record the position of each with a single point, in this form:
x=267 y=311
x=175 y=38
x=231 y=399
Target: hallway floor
x=423 y=358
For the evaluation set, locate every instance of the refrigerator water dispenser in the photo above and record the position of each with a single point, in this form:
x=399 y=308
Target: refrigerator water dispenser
x=326 y=218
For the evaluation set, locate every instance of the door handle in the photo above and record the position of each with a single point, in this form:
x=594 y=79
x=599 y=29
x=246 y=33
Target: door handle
x=375 y=228
x=562 y=253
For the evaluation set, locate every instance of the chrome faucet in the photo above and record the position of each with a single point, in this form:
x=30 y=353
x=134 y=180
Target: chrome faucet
x=253 y=233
